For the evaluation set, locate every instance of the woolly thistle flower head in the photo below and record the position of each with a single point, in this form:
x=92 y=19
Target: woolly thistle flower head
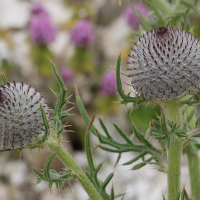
x=129 y=15
x=108 y=83
x=164 y=63
x=20 y=115
x=41 y=29
x=82 y=33
x=38 y=8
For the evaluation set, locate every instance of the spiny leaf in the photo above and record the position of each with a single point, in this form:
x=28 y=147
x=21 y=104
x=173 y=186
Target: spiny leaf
x=112 y=196
x=46 y=124
x=118 y=80
x=104 y=129
x=47 y=165
x=144 y=141
x=108 y=179
x=135 y=159
x=59 y=78
x=4 y=79
x=144 y=24
x=143 y=163
x=88 y=148
x=118 y=158
x=123 y=135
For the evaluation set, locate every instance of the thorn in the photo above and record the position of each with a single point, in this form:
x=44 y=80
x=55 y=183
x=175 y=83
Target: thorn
x=91 y=122
x=76 y=90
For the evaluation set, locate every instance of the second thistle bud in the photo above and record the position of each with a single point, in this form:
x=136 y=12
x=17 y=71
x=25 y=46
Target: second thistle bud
x=20 y=115
x=164 y=63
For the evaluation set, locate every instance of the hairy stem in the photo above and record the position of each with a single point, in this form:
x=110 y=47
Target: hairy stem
x=174 y=155
x=71 y=164
x=193 y=161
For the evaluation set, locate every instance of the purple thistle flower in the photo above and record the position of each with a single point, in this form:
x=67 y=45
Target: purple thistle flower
x=108 y=83
x=82 y=33
x=41 y=29
x=164 y=63
x=38 y=8
x=129 y=15
x=20 y=115
x=67 y=75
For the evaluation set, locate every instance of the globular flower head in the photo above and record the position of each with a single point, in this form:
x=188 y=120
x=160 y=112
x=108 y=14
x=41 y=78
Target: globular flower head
x=129 y=15
x=82 y=33
x=67 y=75
x=41 y=29
x=164 y=63
x=108 y=83
x=38 y=8
x=20 y=115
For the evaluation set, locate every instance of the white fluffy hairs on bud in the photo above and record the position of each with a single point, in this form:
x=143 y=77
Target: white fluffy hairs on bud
x=20 y=115
x=164 y=63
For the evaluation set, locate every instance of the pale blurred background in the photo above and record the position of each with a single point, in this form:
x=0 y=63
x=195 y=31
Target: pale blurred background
x=83 y=38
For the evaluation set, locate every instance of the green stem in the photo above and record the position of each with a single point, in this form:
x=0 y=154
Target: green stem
x=71 y=164
x=193 y=161
x=174 y=155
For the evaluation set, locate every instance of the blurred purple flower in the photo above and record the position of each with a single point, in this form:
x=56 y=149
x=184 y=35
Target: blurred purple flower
x=67 y=75
x=38 y=8
x=82 y=33
x=41 y=29
x=129 y=15
x=108 y=83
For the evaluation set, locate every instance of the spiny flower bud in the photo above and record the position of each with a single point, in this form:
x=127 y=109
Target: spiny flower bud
x=20 y=115
x=164 y=63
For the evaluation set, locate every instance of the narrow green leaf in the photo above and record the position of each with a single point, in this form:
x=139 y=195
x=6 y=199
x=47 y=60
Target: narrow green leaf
x=190 y=115
x=136 y=158
x=197 y=123
x=112 y=196
x=108 y=179
x=168 y=23
x=47 y=165
x=164 y=124
x=118 y=80
x=191 y=6
x=144 y=24
x=143 y=163
x=136 y=33
x=88 y=148
x=118 y=158
x=144 y=141
x=50 y=184
x=163 y=197
x=59 y=78
x=148 y=133
x=193 y=147
x=38 y=173
x=63 y=115
x=46 y=124
x=98 y=168
x=58 y=185
x=123 y=135
x=119 y=150
x=105 y=129
x=4 y=79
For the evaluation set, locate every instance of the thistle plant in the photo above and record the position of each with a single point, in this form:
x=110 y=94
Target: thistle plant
x=164 y=67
